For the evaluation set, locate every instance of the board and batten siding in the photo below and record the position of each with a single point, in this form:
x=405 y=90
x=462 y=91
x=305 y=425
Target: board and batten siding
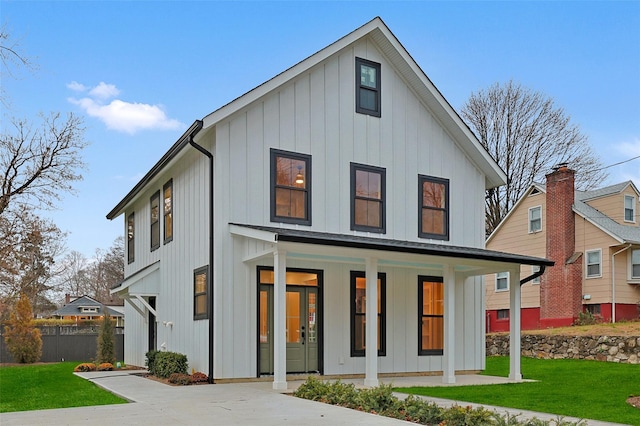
x=315 y=114
x=173 y=282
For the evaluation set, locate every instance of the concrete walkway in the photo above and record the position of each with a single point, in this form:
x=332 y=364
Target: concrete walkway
x=251 y=403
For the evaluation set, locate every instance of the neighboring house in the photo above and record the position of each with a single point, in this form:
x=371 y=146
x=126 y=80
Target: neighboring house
x=85 y=308
x=594 y=239
x=339 y=203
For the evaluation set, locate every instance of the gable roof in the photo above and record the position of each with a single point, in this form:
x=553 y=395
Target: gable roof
x=75 y=308
x=622 y=233
x=404 y=64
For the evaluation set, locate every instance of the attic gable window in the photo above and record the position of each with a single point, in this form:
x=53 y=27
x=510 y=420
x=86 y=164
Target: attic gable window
x=290 y=187
x=130 y=238
x=368 y=87
x=433 y=198
x=629 y=208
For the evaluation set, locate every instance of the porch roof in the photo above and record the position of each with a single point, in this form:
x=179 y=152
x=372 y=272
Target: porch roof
x=275 y=235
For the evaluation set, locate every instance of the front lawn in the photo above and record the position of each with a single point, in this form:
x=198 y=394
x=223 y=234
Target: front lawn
x=43 y=386
x=577 y=388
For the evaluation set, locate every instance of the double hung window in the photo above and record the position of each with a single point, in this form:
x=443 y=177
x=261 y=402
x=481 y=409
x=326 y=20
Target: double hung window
x=131 y=237
x=368 y=198
x=200 y=289
x=629 y=208
x=167 y=191
x=535 y=219
x=502 y=281
x=155 y=220
x=290 y=187
x=368 y=87
x=433 y=216
x=594 y=260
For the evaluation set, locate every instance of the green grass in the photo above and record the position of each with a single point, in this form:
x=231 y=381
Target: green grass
x=43 y=386
x=577 y=388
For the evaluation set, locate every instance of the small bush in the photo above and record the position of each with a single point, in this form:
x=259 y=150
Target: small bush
x=105 y=366
x=150 y=362
x=167 y=363
x=199 y=377
x=586 y=318
x=180 y=379
x=84 y=367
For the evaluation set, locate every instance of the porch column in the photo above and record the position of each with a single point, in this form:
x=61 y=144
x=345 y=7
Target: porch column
x=449 y=359
x=515 y=322
x=371 y=319
x=279 y=320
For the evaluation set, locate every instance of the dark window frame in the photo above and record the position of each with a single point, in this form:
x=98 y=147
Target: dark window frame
x=421 y=233
x=421 y=314
x=131 y=238
x=382 y=229
x=382 y=315
x=503 y=315
x=275 y=153
x=154 y=232
x=377 y=112
x=197 y=272
x=168 y=239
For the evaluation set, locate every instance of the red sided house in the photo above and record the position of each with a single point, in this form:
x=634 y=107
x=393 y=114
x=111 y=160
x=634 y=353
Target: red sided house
x=594 y=239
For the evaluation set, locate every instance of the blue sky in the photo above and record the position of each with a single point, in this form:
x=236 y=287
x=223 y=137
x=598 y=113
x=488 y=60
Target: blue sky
x=169 y=63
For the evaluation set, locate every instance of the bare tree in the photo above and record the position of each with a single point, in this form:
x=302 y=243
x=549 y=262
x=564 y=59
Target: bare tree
x=526 y=134
x=13 y=59
x=37 y=165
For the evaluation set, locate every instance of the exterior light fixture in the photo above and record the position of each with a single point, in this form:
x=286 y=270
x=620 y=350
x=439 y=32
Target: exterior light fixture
x=299 y=176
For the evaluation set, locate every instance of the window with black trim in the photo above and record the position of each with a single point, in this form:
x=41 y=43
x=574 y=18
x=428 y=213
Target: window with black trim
x=290 y=187
x=200 y=289
x=167 y=191
x=433 y=194
x=368 y=87
x=155 y=220
x=359 y=312
x=502 y=314
x=368 y=198
x=431 y=315
x=131 y=229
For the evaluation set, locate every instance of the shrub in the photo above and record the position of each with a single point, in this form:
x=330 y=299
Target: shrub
x=199 y=377
x=167 y=363
x=150 y=362
x=105 y=366
x=84 y=367
x=22 y=337
x=106 y=351
x=586 y=318
x=180 y=379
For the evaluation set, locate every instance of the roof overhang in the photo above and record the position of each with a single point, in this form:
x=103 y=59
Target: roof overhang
x=350 y=248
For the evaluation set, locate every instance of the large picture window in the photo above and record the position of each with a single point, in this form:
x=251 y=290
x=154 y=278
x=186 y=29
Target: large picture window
x=368 y=198
x=368 y=87
x=131 y=237
x=167 y=192
x=200 y=289
x=359 y=312
x=155 y=220
x=431 y=314
x=290 y=187
x=433 y=194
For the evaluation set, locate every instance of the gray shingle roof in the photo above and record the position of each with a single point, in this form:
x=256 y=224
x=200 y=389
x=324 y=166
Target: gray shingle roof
x=624 y=233
x=75 y=308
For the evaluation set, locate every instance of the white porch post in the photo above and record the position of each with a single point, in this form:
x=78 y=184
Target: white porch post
x=515 y=372
x=279 y=320
x=371 y=318
x=448 y=359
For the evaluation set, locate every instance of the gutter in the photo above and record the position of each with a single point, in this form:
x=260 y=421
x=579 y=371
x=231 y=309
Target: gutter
x=211 y=257
x=533 y=276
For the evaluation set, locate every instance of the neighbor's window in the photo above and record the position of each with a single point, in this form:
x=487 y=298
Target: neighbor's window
x=535 y=269
x=592 y=309
x=359 y=311
x=535 y=219
x=167 y=190
x=200 y=287
x=503 y=314
x=368 y=87
x=431 y=315
x=290 y=187
x=635 y=263
x=155 y=220
x=502 y=281
x=629 y=208
x=594 y=259
x=130 y=238
x=367 y=198
x=433 y=216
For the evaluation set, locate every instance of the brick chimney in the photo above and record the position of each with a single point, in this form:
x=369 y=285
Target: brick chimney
x=561 y=285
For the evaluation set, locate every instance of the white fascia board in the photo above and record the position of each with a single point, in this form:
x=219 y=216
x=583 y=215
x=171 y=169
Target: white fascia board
x=513 y=209
x=256 y=234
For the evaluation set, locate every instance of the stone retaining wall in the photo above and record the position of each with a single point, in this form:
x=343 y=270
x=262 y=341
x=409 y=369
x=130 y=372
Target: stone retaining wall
x=599 y=348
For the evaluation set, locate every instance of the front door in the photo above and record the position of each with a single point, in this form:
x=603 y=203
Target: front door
x=302 y=331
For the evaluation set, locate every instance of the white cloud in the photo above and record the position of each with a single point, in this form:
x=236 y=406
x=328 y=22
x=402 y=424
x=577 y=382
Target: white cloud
x=120 y=115
x=629 y=149
x=104 y=91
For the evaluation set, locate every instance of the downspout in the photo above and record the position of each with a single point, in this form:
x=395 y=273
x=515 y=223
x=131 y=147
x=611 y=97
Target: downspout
x=533 y=276
x=211 y=258
x=613 y=283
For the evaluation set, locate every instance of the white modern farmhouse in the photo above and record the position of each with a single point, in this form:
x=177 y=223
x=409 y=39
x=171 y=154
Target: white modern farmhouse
x=329 y=221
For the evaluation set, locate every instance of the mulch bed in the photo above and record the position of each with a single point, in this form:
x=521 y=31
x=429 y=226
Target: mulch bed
x=634 y=401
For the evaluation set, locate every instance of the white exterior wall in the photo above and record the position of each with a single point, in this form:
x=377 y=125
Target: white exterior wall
x=315 y=114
